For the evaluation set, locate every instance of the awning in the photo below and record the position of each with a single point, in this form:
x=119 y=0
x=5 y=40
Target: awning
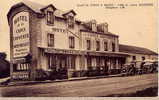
x=106 y=53
x=86 y=53
x=64 y=51
x=19 y=60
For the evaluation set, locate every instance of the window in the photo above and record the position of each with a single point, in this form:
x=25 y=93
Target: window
x=88 y=44
x=97 y=45
x=89 y=62
x=105 y=46
x=21 y=67
x=52 y=61
x=98 y=61
x=143 y=58
x=134 y=57
x=71 y=42
x=94 y=27
x=50 y=17
x=72 y=59
x=70 y=21
x=50 y=40
x=113 y=47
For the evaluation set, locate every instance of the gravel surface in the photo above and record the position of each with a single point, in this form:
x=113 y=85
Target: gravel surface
x=84 y=88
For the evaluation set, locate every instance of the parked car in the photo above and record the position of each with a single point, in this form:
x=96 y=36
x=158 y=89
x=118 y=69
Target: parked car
x=128 y=69
x=150 y=66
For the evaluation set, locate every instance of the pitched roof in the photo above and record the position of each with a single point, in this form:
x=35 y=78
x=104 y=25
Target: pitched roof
x=34 y=6
x=37 y=8
x=136 y=50
x=70 y=12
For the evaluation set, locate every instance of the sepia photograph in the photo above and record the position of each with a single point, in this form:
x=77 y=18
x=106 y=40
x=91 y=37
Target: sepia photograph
x=78 y=48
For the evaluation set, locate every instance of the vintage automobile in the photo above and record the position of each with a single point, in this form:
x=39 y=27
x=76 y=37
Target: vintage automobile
x=150 y=66
x=128 y=69
x=139 y=67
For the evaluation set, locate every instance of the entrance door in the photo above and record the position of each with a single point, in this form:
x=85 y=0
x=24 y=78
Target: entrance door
x=89 y=62
x=62 y=62
x=106 y=65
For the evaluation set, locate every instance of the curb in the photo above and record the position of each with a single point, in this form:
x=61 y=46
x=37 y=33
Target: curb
x=55 y=81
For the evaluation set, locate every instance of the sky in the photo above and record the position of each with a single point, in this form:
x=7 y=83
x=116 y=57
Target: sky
x=135 y=25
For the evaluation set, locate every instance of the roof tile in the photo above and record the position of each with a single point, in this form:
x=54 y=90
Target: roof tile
x=136 y=50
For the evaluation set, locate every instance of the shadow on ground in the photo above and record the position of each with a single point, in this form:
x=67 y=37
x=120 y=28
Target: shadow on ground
x=149 y=92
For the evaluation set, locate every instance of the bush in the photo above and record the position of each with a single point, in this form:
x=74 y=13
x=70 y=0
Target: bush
x=41 y=75
x=52 y=74
x=81 y=73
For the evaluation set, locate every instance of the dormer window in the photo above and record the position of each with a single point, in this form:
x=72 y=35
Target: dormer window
x=50 y=18
x=94 y=28
x=69 y=15
x=70 y=21
x=103 y=27
x=91 y=25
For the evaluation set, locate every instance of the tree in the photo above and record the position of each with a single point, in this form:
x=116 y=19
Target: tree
x=4 y=65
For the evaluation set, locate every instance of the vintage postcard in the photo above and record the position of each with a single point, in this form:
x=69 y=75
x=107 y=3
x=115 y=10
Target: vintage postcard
x=78 y=48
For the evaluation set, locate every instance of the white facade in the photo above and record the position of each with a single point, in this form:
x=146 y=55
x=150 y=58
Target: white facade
x=139 y=57
x=59 y=41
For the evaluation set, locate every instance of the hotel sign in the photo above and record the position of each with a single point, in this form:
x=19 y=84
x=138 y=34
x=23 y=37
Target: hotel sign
x=21 y=36
x=60 y=51
x=59 y=30
x=20 y=75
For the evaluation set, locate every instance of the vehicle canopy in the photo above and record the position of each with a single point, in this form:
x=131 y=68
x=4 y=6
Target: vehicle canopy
x=148 y=63
x=150 y=60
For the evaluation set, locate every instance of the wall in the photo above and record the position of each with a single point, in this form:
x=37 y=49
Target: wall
x=139 y=57
x=61 y=38
x=34 y=29
x=93 y=37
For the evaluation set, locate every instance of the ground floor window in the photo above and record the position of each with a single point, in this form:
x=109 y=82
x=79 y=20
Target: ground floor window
x=98 y=61
x=21 y=67
x=89 y=62
x=106 y=62
x=51 y=61
x=72 y=62
x=61 y=61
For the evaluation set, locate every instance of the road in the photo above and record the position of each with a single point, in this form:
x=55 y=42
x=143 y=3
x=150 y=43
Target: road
x=83 y=88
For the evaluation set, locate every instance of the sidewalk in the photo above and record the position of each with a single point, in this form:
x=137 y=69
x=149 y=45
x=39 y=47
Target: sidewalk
x=21 y=83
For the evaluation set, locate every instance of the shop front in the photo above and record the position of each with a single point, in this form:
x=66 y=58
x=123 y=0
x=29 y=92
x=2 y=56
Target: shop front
x=20 y=69
x=105 y=63
x=63 y=63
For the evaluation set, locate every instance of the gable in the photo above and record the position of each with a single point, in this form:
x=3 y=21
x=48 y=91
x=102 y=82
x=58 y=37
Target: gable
x=48 y=8
x=69 y=13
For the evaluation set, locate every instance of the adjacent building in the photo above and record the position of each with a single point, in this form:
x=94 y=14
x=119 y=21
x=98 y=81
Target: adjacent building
x=138 y=53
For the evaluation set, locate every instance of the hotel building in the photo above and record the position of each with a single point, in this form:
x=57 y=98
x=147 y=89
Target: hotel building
x=44 y=37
